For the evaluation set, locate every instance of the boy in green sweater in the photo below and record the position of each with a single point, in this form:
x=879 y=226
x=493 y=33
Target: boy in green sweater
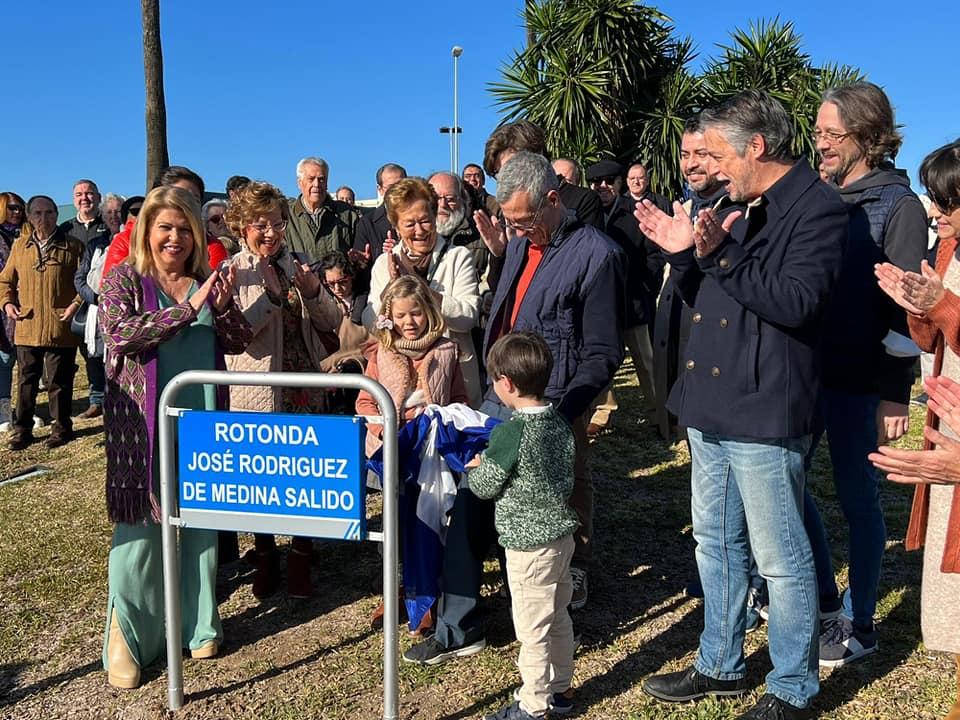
x=528 y=468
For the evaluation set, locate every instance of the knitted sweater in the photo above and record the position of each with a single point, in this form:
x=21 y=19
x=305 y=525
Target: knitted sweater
x=528 y=468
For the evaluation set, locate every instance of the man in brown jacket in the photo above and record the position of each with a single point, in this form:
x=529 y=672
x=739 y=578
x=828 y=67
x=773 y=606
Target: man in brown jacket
x=37 y=292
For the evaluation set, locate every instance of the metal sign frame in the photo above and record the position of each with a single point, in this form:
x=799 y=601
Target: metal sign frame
x=170 y=519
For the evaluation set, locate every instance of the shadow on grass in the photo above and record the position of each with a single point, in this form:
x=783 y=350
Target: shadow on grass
x=9 y=674
x=279 y=670
x=337 y=583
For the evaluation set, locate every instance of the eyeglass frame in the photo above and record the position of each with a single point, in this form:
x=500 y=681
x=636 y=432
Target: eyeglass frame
x=526 y=229
x=834 y=138
x=276 y=227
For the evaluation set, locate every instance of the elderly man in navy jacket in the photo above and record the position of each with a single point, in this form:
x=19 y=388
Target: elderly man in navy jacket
x=564 y=281
x=758 y=282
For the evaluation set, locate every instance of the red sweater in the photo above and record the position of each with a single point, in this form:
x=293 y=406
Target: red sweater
x=120 y=248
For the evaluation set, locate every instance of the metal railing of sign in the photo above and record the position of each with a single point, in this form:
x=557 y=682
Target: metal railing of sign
x=173 y=516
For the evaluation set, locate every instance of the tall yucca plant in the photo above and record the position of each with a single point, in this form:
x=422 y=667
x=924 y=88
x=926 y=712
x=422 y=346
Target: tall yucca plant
x=589 y=70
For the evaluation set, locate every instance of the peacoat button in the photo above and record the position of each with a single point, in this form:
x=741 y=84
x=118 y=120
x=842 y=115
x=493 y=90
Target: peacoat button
x=724 y=263
x=691 y=364
x=697 y=317
x=723 y=322
x=715 y=372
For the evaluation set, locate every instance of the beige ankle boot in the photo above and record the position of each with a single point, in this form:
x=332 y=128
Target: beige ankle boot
x=123 y=670
x=954 y=713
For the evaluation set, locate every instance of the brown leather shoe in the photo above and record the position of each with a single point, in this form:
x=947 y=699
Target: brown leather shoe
x=19 y=441
x=299 y=584
x=266 y=578
x=57 y=439
x=376 y=619
x=94 y=411
x=426 y=624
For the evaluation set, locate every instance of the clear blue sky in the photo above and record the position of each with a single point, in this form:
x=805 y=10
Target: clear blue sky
x=251 y=87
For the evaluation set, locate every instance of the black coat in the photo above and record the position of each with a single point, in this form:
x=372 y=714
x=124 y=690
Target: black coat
x=372 y=230
x=644 y=265
x=751 y=367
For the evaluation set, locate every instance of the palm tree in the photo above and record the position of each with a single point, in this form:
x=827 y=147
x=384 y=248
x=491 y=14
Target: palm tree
x=588 y=68
x=156 y=110
x=606 y=78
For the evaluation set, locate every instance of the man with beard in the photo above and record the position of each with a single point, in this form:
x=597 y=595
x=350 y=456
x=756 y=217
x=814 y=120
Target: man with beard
x=455 y=223
x=644 y=276
x=672 y=326
x=759 y=281
x=868 y=363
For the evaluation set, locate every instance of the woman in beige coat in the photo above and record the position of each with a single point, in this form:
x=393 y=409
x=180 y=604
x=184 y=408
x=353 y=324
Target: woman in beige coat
x=449 y=271
x=292 y=316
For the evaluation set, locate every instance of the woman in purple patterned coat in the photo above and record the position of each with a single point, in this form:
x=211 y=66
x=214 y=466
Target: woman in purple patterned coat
x=161 y=312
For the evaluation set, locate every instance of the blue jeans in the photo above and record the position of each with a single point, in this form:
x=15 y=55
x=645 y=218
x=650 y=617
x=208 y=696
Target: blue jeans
x=850 y=421
x=748 y=496
x=6 y=373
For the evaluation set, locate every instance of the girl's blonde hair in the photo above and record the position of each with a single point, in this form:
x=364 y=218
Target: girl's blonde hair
x=169 y=198
x=409 y=286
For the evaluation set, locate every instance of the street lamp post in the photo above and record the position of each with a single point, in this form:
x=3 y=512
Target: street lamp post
x=455 y=131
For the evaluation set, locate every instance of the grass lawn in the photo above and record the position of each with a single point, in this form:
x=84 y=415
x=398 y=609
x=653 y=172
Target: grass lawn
x=286 y=659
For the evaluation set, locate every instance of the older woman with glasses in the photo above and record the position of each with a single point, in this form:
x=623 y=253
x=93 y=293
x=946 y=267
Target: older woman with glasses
x=932 y=301
x=412 y=206
x=292 y=316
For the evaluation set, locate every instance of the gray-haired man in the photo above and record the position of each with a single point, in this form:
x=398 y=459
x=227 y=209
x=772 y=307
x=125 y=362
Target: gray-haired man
x=318 y=224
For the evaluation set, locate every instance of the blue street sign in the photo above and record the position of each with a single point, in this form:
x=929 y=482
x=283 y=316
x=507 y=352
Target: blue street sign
x=276 y=473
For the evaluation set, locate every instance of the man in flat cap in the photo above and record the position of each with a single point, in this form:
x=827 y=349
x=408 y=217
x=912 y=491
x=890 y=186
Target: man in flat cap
x=644 y=278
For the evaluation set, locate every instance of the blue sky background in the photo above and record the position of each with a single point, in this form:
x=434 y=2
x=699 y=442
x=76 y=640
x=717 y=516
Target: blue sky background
x=252 y=87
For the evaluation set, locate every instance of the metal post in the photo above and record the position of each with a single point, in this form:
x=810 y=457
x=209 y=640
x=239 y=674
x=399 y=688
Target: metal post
x=171 y=554
x=170 y=508
x=455 y=139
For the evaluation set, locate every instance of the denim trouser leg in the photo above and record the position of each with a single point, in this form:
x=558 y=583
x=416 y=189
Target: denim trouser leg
x=468 y=539
x=852 y=432
x=96 y=374
x=749 y=496
x=7 y=359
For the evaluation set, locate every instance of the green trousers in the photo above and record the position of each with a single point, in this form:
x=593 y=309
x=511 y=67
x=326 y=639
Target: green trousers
x=135 y=573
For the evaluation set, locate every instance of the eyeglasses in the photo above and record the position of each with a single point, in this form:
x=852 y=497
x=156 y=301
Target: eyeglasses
x=214 y=218
x=135 y=210
x=526 y=227
x=472 y=176
x=608 y=179
x=945 y=205
x=276 y=227
x=14 y=208
x=449 y=199
x=342 y=282
x=829 y=135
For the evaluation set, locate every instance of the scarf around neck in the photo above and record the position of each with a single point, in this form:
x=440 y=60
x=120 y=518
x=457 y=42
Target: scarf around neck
x=416 y=349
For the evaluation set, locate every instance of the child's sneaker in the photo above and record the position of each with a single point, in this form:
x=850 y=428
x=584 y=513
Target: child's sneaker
x=511 y=712
x=843 y=643
x=560 y=703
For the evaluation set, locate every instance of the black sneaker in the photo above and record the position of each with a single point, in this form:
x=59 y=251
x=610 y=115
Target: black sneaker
x=690 y=685
x=431 y=652
x=770 y=707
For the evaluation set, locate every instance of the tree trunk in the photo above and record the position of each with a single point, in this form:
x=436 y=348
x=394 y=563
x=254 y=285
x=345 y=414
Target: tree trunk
x=156 y=110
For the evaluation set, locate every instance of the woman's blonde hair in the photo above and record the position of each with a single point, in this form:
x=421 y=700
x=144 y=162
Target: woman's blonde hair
x=409 y=286
x=169 y=198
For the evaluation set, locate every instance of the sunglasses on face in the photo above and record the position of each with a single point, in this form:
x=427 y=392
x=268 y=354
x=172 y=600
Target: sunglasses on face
x=214 y=218
x=608 y=179
x=14 y=208
x=135 y=210
x=945 y=205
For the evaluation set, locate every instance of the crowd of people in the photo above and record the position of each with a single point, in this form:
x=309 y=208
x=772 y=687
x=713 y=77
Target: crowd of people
x=767 y=306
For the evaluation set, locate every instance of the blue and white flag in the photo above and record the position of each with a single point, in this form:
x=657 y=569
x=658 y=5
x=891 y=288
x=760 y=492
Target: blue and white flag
x=432 y=447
